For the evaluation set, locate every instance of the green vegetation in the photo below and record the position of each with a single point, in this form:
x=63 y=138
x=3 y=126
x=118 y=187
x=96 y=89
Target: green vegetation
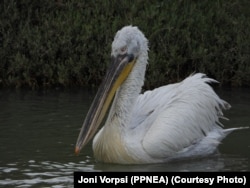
x=59 y=43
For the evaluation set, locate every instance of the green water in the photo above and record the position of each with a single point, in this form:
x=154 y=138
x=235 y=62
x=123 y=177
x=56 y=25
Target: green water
x=38 y=131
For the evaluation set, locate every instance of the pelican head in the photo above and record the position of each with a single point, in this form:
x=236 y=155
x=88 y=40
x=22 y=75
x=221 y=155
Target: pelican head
x=128 y=46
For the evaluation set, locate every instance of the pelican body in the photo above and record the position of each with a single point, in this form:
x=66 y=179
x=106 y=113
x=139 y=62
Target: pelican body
x=170 y=122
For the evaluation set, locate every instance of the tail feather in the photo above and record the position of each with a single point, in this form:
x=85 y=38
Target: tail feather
x=228 y=131
x=208 y=144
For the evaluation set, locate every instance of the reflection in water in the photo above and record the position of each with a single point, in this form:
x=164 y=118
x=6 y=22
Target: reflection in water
x=212 y=163
x=38 y=131
x=44 y=173
x=53 y=174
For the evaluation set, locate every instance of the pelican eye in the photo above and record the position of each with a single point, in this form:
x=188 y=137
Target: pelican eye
x=123 y=50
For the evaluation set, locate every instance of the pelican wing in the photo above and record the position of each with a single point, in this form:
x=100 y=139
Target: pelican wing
x=177 y=116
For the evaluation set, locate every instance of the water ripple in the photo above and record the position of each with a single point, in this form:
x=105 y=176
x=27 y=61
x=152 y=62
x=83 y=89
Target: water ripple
x=38 y=174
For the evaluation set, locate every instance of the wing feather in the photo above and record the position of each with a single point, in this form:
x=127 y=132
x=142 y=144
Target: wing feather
x=178 y=115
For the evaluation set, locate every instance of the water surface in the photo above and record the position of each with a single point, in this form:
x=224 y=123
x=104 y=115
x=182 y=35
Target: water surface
x=38 y=131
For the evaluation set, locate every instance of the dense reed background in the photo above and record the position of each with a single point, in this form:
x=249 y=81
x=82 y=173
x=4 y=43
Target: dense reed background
x=47 y=44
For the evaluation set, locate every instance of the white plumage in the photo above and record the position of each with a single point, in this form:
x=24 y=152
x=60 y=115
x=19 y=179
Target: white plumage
x=174 y=121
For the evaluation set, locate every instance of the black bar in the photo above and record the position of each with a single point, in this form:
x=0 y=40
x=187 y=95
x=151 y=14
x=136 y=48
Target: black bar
x=161 y=179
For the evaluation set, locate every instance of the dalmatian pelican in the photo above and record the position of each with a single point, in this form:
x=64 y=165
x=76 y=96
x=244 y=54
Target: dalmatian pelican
x=170 y=122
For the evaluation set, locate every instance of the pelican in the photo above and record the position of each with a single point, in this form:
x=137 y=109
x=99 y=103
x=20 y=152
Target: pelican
x=170 y=122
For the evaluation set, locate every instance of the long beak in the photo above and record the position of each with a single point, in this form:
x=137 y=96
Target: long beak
x=116 y=74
